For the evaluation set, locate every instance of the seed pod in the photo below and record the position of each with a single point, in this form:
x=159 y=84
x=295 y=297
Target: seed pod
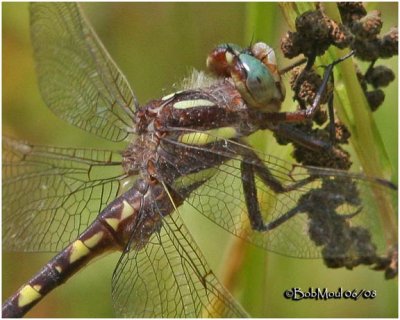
x=379 y=76
x=314 y=25
x=366 y=50
x=361 y=79
x=340 y=35
x=369 y=26
x=351 y=11
x=342 y=134
x=290 y=45
x=389 y=43
x=375 y=98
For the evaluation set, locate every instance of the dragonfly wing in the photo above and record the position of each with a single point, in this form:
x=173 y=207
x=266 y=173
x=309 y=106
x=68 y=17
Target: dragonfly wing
x=331 y=211
x=168 y=277
x=50 y=195
x=221 y=199
x=78 y=79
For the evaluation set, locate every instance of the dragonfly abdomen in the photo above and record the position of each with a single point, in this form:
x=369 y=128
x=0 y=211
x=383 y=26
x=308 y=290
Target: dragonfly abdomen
x=109 y=232
x=93 y=242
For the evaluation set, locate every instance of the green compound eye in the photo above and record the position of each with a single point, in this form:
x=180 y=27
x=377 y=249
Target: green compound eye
x=257 y=84
x=260 y=84
x=254 y=72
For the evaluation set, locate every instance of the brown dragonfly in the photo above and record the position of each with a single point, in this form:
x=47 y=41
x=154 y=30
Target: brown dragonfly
x=29 y=243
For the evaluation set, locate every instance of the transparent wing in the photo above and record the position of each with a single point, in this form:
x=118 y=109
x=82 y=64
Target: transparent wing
x=168 y=278
x=78 y=79
x=50 y=195
x=324 y=213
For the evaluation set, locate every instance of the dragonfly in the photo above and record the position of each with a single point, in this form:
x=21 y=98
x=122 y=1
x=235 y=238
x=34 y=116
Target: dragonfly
x=187 y=147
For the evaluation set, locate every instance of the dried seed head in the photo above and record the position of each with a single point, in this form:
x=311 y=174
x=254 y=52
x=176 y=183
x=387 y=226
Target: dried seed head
x=305 y=84
x=379 y=76
x=361 y=79
x=367 y=44
x=342 y=134
x=369 y=26
x=389 y=43
x=351 y=11
x=340 y=35
x=365 y=249
x=336 y=158
x=375 y=98
x=313 y=25
x=315 y=32
x=340 y=159
x=291 y=45
x=366 y=50
x=392 y=268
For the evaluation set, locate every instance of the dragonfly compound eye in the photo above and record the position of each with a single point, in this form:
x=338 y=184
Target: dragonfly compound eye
x=266 y=55
x=257 y=84
x=254 y=72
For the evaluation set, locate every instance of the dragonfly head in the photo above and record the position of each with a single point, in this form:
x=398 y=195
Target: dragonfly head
x=254 y=72
x=217 y=61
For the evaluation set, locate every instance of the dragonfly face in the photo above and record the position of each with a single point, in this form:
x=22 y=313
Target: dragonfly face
x=254 y=72
x=187 y=148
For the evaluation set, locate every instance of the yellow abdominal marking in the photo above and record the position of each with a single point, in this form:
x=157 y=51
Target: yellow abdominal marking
x=59 y=269
x=208 y=136
x=78 y=250
x=37 y=287
x=127 y=210
x=113 y=223
x=27 y=295
x=93 y=240
x=186 y=104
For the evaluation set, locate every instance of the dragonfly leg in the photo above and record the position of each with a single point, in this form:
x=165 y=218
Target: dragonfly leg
x=250 y=195
x=248 y=171
x=331 y=113
x=292 y=66
x=253 y=208
x=255 y=164
x=292 y=133
x=307 y=114
x=283 y=218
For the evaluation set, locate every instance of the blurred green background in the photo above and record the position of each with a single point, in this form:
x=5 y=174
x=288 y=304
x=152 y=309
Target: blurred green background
x=156 y=45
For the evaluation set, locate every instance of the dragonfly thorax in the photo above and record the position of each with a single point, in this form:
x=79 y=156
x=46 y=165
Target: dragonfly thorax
x=199 y=117
x=141 y=154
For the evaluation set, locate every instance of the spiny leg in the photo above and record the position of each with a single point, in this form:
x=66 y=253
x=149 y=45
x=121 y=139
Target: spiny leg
x=251 y=159
x=248 y=171
x=306 y=114
x=331 y=114
x=252 y=165
x=253 y=208
x=292 y=66
x=250 y=196
x=290 y=132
